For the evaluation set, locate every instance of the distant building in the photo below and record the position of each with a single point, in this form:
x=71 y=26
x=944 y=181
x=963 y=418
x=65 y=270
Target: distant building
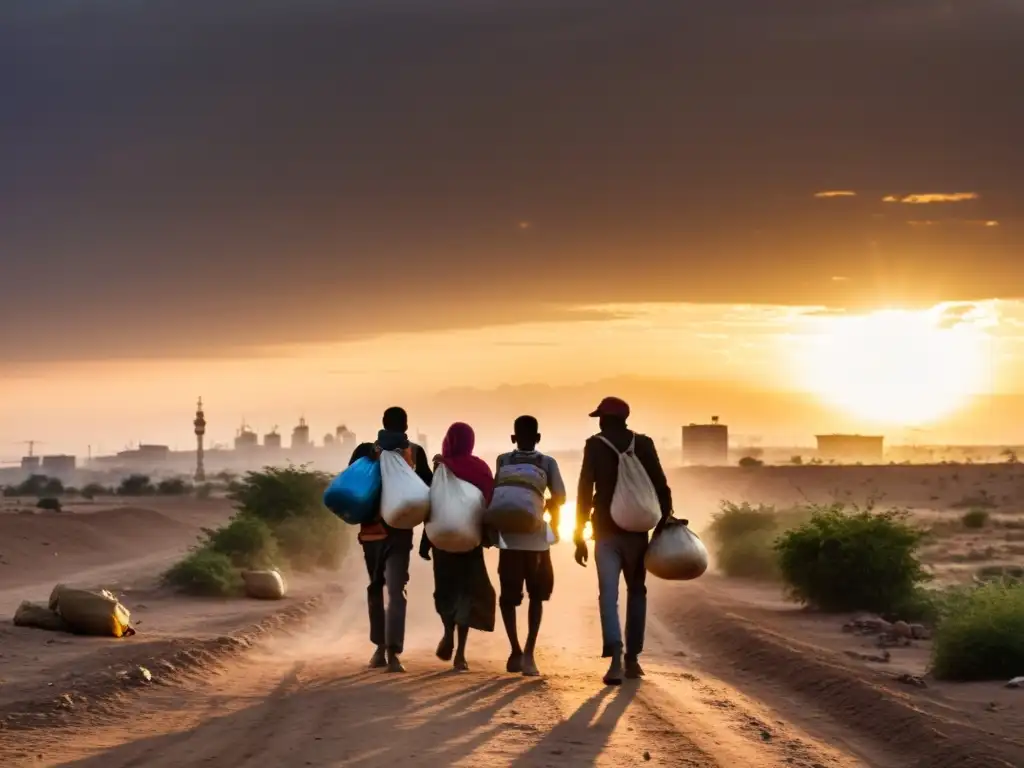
x=30 y=464
x=272 y=440
x=59 y=466
x=706 y=444
x=246 y=439
x=851 y=449
x=300 y=436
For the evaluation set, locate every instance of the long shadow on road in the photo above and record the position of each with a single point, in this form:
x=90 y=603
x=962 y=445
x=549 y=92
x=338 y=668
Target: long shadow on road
x=365 y=720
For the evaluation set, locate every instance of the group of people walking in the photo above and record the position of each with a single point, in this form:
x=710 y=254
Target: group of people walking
x=463 y=595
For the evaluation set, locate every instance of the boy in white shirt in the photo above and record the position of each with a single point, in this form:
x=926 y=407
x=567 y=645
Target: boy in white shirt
x=525 y=558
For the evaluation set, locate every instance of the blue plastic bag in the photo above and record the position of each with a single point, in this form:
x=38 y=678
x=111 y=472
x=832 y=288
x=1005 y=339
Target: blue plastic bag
x=354 y=495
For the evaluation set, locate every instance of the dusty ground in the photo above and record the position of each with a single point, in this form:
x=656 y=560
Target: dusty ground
x=735 y=676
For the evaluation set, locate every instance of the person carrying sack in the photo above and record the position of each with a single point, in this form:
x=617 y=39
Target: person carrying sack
x=623 y=494
x=463 y=595
x=387 y=550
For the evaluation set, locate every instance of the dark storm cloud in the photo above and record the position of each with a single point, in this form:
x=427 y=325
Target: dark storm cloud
x=194 y=177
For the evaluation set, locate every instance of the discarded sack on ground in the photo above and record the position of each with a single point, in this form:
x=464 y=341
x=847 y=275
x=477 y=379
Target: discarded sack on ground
x=456 y=512
x=404 y=497
x=518 y=502
x=354 y=495
x=676 y=553
x=635 y=506
x=39 y=616
x=264 y=585
x=91 y=613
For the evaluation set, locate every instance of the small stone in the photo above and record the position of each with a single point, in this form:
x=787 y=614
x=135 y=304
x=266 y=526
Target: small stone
x=647 y=757
x=908 y=679
x=902 y=630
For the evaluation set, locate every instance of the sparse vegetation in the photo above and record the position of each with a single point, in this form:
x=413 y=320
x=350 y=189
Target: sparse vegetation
x=247 y=541
x=174 y=486
x=742 y=538
x=49 y=503
x=204 y=491
x=796 y=460
x=36 y=485
x=280 y=521
x=847 y=560
x=92 y=490
x=206 y=573
x=975 y=519
x=136 y=485
x=751 y=461
x=983 y=639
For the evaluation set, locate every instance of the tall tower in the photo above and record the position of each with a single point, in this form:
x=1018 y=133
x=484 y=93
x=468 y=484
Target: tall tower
x=200 y=425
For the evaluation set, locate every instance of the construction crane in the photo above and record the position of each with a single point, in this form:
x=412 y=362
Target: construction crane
x=31 y=446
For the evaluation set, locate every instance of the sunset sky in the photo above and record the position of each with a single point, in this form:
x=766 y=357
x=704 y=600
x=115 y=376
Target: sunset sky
x=322 y=208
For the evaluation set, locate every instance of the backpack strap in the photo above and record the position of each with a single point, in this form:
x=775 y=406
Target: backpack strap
x=630 y=451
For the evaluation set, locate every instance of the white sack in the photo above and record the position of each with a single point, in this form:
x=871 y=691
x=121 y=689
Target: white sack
x=404 y=497
x=456 y=513
x=635 y=505
x=676 y=553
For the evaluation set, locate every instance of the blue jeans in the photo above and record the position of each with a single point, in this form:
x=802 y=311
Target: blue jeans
x=615 y=556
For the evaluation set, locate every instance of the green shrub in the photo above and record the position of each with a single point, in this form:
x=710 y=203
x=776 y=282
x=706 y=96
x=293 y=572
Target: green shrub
x=205 y=573
x=92 y=490
x=983 y=639
x=311 y=543
x=204 y=491
x=49 y=503
x=174 y=486
x=742 y=538
x=976 y=518
x=280 y=521
x=136 y=485
x=247 y=542
x=842 y=560
x=750 y=461
x=276 y=494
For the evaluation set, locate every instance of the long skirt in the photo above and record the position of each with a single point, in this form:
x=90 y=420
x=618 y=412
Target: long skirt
x=463 y=594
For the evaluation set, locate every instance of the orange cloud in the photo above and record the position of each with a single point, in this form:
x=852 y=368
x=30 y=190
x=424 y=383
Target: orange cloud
x=932 y=197
x=835 y=193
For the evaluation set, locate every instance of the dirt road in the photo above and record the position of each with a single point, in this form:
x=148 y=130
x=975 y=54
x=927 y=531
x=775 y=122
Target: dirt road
x=308 y=700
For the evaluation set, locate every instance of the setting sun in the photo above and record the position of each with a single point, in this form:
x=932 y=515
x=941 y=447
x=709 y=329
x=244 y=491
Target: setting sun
x=896 y=366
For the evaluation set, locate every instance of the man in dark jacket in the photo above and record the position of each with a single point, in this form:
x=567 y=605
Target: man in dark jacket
x=386 y=550
x=617 y=552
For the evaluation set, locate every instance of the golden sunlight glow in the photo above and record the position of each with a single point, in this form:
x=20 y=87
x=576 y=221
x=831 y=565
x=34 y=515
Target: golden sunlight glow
x=896 y=367
x=567 y=522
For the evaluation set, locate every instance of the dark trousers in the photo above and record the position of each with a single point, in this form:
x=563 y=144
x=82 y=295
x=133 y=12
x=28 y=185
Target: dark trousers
x=622 y=556
x=387 y=563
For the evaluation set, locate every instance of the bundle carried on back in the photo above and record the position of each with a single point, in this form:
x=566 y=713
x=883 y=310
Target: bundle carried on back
x=404 y=497
x=635 y=506
x=354 y=495
x=518 y=502
x=91 y=613
x=456 y=511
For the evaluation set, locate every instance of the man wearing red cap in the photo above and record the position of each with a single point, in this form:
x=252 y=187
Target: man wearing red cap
x=617 y=552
